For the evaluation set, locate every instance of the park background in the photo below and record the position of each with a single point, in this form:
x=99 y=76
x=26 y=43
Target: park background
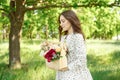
x=25 y=24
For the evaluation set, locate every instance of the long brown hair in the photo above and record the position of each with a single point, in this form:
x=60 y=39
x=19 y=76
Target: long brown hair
x=73 y=19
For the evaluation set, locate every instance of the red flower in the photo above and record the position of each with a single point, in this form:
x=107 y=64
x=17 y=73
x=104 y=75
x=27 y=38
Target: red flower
x=50 y=54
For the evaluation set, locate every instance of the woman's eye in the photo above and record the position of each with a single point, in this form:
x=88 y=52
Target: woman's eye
x=63 y=21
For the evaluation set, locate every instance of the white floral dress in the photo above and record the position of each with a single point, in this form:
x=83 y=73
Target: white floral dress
x=77 y=62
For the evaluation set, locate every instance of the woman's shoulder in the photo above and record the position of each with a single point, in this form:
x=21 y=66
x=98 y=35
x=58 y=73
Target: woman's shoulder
x=78 y=35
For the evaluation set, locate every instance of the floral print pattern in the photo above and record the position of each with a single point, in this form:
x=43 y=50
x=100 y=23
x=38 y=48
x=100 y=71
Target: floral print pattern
x=76 y=56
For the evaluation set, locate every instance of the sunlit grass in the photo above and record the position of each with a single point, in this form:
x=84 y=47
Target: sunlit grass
x=103 y=61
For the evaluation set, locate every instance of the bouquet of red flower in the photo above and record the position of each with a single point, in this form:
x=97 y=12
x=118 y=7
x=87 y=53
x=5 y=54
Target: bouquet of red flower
x=55 y=56
x=52 y=54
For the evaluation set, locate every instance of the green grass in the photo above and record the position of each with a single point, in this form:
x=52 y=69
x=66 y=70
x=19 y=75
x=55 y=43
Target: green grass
x=103 y=61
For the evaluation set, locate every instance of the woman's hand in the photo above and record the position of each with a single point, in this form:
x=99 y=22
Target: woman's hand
x=64 y=69
x=63 y=46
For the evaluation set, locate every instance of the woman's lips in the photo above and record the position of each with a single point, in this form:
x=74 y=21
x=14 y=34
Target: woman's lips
x=63 y=26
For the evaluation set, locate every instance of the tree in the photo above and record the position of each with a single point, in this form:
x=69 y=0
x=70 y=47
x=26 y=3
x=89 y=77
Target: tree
x=16 y=10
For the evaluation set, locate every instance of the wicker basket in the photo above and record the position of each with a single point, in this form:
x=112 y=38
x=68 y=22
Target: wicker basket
x=60 y=64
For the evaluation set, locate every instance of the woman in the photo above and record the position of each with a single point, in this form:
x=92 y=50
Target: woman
x=69 y=24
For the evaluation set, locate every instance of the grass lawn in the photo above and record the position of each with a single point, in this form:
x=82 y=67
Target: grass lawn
x=103 y=61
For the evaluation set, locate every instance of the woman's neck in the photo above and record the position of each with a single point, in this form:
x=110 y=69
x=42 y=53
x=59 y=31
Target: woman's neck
x=70 y=31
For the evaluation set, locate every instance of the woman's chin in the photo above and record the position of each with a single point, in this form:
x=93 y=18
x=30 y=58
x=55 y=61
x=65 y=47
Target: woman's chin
x=64 y=30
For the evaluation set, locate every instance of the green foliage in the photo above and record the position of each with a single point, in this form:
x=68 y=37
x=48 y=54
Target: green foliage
x=96 y=22
x=4 y=4
x=39 y=20
x=97 y=19
x=99 y=22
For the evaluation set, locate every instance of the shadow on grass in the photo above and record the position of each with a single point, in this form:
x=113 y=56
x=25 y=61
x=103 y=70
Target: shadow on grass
x=34 y=65
x=115 y=56
x=34 y=41
x=3 y=70
x=3 y=41
x=106 y=75
x=27 y=72
x=2 y=56
x=105 y=67
x=105 y=42
x=115 y=43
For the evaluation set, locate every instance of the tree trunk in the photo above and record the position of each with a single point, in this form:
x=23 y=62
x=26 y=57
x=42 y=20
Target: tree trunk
x=16 y=21
x=14 y=45
x=4 y=34
x=117 y=31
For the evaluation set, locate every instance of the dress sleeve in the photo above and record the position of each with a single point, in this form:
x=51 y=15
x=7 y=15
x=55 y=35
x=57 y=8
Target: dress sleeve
x=78 y=51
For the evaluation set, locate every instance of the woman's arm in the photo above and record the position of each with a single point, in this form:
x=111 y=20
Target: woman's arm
x=79 y=51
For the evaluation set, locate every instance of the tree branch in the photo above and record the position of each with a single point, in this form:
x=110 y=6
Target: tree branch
x=68 y=6
x=3 y=10
x=51 y=6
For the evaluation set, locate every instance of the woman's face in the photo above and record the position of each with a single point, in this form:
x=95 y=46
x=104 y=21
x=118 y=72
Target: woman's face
x=64 y=23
